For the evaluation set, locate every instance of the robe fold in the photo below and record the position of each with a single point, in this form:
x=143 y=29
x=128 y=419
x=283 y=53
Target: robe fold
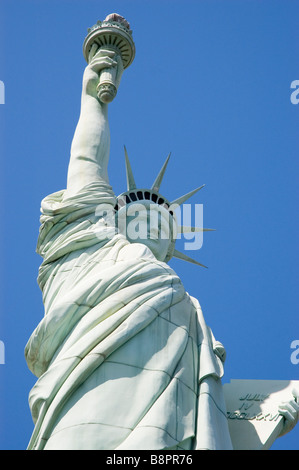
x=123 y=356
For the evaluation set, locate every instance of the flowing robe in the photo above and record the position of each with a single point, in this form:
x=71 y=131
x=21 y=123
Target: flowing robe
x=123 y=356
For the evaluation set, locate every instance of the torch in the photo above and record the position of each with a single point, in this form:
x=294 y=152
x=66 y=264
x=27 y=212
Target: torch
x=114 y=34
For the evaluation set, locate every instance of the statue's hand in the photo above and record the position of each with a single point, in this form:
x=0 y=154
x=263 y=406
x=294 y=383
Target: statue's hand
x=99 y=60
x=290 y=411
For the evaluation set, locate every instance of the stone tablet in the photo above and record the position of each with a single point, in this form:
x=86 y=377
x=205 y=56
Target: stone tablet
x=252 y=410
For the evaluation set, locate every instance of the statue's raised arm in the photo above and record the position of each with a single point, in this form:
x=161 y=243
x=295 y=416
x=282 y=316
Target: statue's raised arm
x=106 y=51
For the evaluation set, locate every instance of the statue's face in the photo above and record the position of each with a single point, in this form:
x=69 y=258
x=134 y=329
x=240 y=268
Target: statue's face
x=159 y=246
x=149 y=224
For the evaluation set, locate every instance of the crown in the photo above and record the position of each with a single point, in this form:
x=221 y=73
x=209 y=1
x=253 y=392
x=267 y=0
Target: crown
x=134 y=194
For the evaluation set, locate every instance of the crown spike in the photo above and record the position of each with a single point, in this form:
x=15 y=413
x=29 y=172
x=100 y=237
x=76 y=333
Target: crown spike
x=130 y=178
x=182 y=256
x=185 y=229
x=184 y=198
x=157 y=183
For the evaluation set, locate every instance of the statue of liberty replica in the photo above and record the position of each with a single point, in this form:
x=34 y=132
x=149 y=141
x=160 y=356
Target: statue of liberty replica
x=123 y=355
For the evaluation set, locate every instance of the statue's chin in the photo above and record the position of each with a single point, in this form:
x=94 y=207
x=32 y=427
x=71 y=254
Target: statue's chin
x=158 y=247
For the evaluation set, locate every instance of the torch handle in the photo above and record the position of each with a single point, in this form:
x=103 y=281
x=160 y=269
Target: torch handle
x=106 y=88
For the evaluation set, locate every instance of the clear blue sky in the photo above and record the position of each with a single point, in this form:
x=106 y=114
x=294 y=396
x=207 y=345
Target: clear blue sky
x=210 y=83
